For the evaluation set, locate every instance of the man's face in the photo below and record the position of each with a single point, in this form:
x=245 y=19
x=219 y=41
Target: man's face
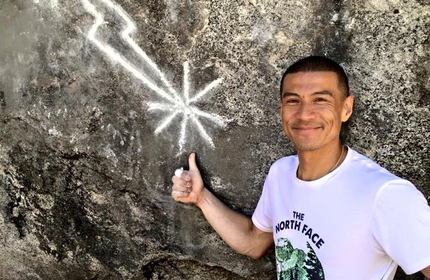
x=313 y=109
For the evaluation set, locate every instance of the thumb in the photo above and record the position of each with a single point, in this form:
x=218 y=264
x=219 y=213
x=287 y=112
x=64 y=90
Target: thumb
x=192 y=162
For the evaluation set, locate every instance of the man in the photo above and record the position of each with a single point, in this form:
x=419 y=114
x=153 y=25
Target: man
x=331 y=212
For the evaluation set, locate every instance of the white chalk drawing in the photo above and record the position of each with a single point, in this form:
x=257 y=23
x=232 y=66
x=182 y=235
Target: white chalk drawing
x=175 y=104
x=189 y=113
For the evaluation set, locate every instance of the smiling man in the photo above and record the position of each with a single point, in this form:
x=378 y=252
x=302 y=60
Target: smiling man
x=331 y=212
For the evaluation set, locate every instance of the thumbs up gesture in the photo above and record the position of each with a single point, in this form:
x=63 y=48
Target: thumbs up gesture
x=188 y=186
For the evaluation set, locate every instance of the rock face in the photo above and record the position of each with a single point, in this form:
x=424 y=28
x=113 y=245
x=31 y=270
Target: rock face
x=100 y=101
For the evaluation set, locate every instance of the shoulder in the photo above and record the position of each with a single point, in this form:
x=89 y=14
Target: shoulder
x=284 y=166
x=284 y=163
x=368 y=170
x=399 y=192
x=368 y=178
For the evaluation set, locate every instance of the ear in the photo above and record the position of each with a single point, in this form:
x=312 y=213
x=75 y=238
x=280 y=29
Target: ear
x=348 y=104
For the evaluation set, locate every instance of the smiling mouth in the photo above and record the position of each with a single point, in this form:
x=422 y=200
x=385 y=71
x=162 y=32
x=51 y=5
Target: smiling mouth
x=305 y=128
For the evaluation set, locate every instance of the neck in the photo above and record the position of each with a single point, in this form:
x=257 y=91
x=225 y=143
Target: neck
x=318 y=163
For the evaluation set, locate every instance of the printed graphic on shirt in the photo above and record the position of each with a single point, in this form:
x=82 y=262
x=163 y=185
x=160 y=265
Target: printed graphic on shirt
x=296 y=264
x=297 y=224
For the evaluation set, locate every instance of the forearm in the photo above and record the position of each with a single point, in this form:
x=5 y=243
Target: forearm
x=236 y=229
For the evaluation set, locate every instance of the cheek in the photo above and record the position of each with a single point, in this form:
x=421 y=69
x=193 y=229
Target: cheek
x=285 y=114
x=329 y=113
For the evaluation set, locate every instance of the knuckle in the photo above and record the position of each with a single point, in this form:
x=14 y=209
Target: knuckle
x=177 y=195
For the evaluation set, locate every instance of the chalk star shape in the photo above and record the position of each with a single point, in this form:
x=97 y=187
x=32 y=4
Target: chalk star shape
x=182 y=105
x=176 y=103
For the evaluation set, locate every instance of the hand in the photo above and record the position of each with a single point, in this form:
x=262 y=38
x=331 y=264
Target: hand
x=188 y=187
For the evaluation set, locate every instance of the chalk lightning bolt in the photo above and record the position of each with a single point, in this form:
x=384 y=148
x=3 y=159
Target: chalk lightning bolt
x=176 y=104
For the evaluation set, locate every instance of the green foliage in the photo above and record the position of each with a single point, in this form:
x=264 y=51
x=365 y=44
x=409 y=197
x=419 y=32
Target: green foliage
x=296 y=264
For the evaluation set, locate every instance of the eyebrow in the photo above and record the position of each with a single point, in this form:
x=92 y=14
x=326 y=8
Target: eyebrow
x=323 y=92
x=287 y=93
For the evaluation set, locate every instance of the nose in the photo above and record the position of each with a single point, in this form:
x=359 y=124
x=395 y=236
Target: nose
x=305 y=111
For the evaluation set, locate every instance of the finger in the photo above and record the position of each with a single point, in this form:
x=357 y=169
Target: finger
x=181 y=188
x=178 y=195
x=181 y=174
x=177 y=180
x=192 y=162
x=185 y=180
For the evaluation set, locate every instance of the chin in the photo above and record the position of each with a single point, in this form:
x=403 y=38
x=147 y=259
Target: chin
x=305 y=143
x=306 y=146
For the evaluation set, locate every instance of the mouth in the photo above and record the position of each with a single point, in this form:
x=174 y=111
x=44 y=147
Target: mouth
x=305 y=128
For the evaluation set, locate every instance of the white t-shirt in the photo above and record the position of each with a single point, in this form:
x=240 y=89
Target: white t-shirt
x=357 y=222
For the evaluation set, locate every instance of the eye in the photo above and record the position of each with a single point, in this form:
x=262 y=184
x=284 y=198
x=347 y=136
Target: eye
x=291 y=101
x=320 y=100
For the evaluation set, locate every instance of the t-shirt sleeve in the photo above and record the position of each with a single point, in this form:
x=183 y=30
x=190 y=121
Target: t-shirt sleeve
x=401 y=225
x=262 y=213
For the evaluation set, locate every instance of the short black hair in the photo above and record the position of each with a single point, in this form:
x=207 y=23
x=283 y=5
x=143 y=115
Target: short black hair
x=316 y=64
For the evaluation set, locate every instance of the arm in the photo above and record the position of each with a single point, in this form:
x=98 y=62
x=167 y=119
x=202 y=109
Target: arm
x=426 y=271
x=236 y=229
